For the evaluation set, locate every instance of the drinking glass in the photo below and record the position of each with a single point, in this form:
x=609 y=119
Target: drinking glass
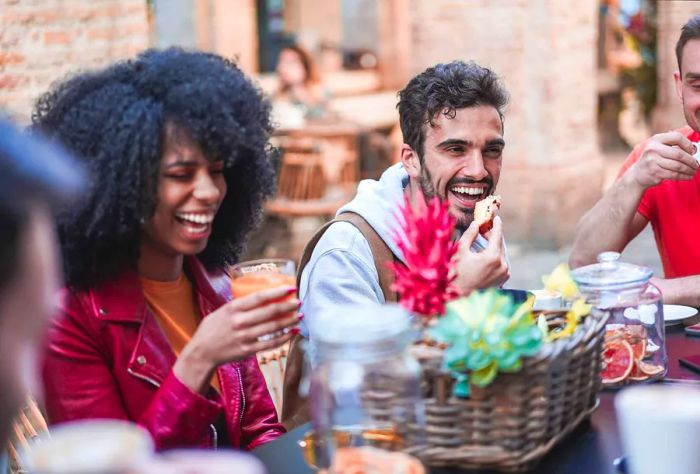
x=252 y=276
x=659 y=427
x=257 y=275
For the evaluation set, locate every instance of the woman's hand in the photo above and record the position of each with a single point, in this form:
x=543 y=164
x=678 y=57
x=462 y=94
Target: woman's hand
x=237 y=330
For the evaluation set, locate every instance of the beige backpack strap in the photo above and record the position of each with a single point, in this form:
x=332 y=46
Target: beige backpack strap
x=381 y=253
x=295 y=410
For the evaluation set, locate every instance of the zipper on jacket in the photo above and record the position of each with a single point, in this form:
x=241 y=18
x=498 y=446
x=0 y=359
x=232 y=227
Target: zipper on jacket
x=215 y=435
x=240 y=382
x=143 y=377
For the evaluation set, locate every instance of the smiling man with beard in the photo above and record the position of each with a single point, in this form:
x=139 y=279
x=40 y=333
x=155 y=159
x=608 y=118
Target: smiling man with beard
x=451 y=117
x=658 y=185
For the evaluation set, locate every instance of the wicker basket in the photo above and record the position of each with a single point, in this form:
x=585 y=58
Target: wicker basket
x=511 y=424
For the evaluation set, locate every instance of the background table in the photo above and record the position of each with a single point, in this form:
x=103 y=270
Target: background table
x=589 y=449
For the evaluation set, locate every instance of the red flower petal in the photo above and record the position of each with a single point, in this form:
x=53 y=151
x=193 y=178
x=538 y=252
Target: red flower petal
x=425 y=282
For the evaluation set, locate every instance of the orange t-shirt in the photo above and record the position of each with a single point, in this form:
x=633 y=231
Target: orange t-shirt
x=173 y=305
x=673 y=209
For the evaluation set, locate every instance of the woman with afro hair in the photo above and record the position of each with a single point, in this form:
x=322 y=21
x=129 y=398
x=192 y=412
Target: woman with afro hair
x=177 y=148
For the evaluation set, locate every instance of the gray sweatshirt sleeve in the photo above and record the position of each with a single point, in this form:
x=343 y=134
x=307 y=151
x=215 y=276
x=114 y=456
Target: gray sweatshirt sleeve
x=340 y=271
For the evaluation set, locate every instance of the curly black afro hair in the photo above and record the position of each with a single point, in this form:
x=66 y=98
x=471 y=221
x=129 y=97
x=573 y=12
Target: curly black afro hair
x=115 y=121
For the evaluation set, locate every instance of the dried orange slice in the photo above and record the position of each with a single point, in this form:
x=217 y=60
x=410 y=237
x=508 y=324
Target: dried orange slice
x=639 y=348
x=650 y=369
x=613 y=332
x=618 y=361
x=637 y=375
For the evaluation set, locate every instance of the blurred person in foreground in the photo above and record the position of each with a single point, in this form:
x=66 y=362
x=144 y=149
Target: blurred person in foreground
x=177 y=147
x=658 y=184
x=35 y=179
x=451 y=118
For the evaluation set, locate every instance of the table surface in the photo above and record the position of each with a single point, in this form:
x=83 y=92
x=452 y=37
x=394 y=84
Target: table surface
x=591 y=448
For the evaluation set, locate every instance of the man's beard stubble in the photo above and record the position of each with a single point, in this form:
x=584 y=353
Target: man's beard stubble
x=466 y=216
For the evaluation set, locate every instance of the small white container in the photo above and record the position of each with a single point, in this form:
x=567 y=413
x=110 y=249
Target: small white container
x=546 y=300
x=88 y=446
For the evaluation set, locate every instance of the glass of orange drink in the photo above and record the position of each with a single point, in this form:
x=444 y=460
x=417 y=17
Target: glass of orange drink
x=257 y=275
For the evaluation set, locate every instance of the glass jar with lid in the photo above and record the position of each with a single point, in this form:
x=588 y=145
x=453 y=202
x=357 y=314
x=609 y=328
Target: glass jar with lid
x=634 y=349
x=364 y=385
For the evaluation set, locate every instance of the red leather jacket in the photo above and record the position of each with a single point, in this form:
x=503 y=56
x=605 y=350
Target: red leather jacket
x=108 y=358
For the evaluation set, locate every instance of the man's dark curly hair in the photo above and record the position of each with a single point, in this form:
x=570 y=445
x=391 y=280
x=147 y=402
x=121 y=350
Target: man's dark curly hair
x=115 y=121
x=690 y=31
x=443 y=89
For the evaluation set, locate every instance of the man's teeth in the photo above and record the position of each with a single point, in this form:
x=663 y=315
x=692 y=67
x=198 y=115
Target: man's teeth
x=196 y=218
x=468 y=190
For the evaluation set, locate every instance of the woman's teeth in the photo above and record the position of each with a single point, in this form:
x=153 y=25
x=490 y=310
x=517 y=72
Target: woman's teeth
x=196 y=218
x=195 y=223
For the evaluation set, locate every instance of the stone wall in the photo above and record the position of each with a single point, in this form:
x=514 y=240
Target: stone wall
x=545 y=51
x=42 y=41
x=671 y=16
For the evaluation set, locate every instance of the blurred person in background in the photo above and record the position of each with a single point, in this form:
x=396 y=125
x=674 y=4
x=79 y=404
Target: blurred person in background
x=36 y=177
x=177 y=148
x=330 y=57
x=301 y=96
x=299 y=83
x=658 y=184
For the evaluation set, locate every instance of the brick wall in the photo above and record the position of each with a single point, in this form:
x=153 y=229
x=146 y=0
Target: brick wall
x=672 y=15
x=545 y=52
x=42 y=41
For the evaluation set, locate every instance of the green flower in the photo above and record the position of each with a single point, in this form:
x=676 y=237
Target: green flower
x=486 y=333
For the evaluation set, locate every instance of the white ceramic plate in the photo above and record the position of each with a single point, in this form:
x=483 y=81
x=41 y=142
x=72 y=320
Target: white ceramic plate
x=675 y=313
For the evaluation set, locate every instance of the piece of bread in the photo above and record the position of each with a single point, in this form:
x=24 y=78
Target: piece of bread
x=485 y=211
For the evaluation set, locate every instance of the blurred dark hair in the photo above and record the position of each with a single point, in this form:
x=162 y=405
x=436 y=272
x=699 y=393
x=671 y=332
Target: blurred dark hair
x=33 y=171
x=115 y=119
x=689 y=31
x=443 y=89
x=310 y=70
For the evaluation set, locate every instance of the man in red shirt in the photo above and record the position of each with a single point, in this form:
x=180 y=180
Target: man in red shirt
x=658 y=184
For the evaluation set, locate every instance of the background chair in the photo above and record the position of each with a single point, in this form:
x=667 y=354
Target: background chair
x=314 y=179
x=29 y=424
x=272 y=364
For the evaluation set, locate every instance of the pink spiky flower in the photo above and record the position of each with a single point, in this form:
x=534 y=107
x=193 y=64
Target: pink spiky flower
x=424 y=283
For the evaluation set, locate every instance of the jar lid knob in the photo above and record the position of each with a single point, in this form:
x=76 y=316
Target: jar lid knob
x=608 y=259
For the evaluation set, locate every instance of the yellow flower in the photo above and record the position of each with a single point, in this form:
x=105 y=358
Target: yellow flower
x=580 y=309
x=566 y=331
x=542 y=324
x=560 y=281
